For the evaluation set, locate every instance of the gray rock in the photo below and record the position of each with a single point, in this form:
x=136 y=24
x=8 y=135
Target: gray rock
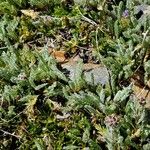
x=98 y=73
x=144 y=8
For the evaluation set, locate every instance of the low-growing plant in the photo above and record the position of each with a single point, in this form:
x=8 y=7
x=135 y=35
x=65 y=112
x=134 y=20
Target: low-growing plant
x=41 y=107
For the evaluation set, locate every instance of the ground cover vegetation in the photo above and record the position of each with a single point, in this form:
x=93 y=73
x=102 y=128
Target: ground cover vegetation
x=40 y=107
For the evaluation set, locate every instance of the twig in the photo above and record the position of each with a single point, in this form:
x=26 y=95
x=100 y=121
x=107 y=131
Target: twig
x=5 y=132
x=16 y=115
x=87 y=19
x=3 y=47
x=144 y=37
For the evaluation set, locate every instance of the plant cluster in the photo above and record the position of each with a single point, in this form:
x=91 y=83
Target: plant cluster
x=41 y=107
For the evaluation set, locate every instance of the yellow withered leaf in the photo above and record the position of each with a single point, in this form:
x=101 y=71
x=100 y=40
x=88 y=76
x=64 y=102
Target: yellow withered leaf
x=136 y=134
x=30 y=13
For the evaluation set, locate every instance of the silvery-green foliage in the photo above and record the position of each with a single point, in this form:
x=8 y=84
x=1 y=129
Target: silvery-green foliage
x=41 y=107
